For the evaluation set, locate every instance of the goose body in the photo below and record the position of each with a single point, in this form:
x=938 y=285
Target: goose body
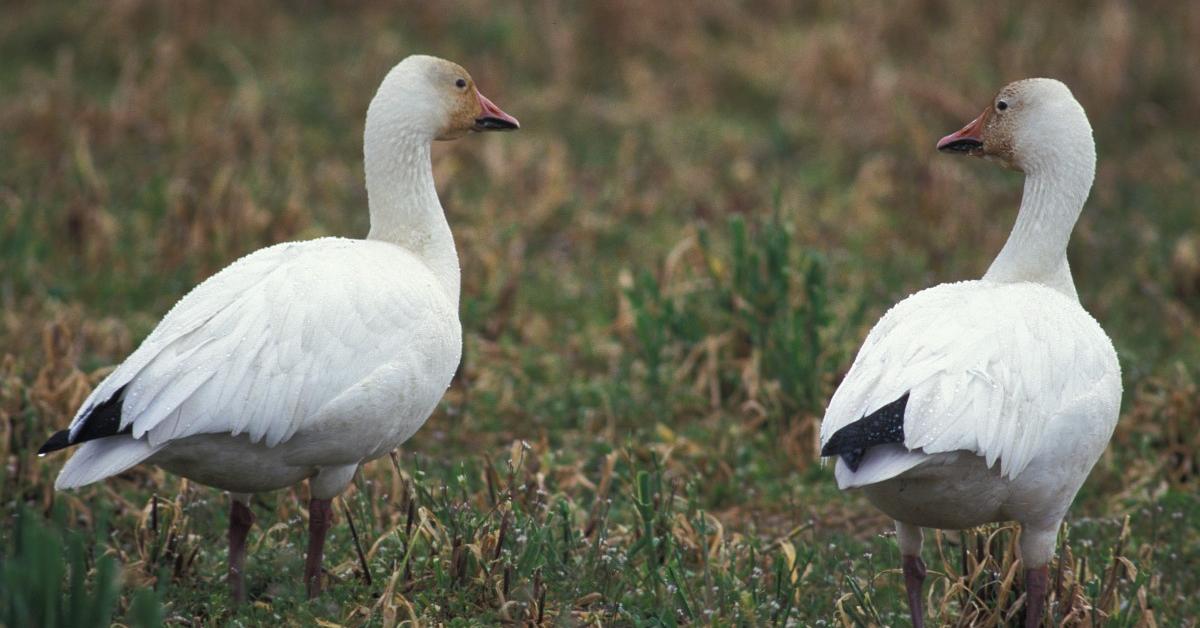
x=989 y=400
x=304 y=360
x=1013 y=391
x=298 y=358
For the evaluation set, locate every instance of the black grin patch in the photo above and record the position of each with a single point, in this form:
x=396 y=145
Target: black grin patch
x=881 y=427
x=964 y=145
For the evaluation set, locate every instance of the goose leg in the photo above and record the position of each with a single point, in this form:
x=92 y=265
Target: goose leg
x=241 y=518
x=320 y=516
x=1037 y=548
x=910 y=540
x=914 y=577
x=322 y=488
x=1036 y=585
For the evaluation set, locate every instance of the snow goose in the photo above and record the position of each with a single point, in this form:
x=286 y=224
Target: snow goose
x=304 y=359
x=989 y=400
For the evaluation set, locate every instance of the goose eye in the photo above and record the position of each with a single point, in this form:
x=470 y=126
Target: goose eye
x=1001 y=106
x=460 y=83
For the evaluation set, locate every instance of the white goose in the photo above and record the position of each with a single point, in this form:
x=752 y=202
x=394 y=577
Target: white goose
x=305 y=359
x=989 y=400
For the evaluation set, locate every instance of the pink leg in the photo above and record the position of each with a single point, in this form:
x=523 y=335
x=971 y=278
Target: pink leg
x=320 y=516
x=1036 y=584
x=240 y=520
x=914 y=577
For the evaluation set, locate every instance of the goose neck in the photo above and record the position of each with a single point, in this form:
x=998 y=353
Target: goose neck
x=404 y=205
x=1036 y=250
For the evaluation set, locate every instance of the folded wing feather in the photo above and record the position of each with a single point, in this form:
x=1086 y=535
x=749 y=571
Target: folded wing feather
x=261 y=346
x=987 y=366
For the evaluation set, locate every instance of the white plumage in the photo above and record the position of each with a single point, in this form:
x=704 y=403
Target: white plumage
x=285 y=341
x=304 y=360
x=991 y=369
x=1009 y=389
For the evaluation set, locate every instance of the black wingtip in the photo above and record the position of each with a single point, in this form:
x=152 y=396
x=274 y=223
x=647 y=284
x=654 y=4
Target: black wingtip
x=885 y=425
x=60 y=440
x=837 y=446
x=834 y=446
x=100 y=421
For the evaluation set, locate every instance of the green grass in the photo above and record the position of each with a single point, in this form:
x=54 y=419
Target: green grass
x=665 y=272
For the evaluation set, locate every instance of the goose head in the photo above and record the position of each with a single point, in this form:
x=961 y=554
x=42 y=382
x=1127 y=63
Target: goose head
x=1030 y=126
x=1037 y=127
x=435 y=99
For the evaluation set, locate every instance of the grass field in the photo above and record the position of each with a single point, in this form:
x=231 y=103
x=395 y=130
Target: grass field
x=665 y=272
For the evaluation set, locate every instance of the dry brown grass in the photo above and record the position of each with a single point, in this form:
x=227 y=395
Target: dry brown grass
x=147 y=144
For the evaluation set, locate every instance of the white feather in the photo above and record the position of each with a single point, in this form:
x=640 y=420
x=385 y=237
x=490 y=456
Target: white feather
x=307 y=358
x=231 y=356
x=988 y=367
x=98 y=459
x=878 y=464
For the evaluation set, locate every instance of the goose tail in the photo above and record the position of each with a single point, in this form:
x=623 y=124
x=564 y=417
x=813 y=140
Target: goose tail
x=101 y=458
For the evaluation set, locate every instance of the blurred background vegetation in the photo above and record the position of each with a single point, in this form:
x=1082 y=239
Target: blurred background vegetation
x=665 y=273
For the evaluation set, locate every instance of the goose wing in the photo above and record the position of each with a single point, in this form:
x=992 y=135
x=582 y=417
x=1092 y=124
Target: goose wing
x=262 y=346
x=975 y=366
